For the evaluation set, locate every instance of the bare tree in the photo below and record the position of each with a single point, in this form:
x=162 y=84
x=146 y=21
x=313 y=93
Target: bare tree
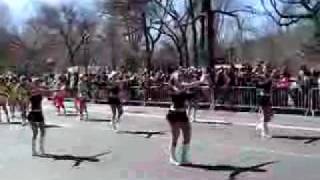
x=175 y=27
x=32 y=44
x=297 y=10
x=290 y=12
x=73 y=26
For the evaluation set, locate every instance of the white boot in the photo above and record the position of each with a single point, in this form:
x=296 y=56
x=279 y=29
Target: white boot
x=259 y=127
x=265 y=131
x=185 y=154
x=114 y=125
x=173 y=158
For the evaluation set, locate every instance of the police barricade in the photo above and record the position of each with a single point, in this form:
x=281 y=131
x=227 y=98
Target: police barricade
x=290 y=99
x=157 y=94
x=136 y=95
x=205 y=96
x=315 y=101
x=239 y=97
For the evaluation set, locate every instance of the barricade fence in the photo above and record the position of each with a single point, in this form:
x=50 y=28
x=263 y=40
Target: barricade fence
x=239 y=97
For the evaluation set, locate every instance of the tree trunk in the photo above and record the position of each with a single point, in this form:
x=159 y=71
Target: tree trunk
x=194 y=35
x=145 y=29
x=185 y=46
x=180 y=52
x=211 y=39
x=71 y=58
x=316 y=22
x=203 y=32
x=113 y=57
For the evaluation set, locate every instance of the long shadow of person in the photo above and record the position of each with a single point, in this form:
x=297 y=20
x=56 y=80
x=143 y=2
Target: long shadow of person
x=77 y=159
x=52 y=126
x=98 y=120
x=307 y=139
x=235 y=170
x=215 y=123
x=148 y=134
x=19 y=123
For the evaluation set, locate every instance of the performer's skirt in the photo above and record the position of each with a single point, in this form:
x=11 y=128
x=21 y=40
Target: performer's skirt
x=35 y=117
x=177 y=116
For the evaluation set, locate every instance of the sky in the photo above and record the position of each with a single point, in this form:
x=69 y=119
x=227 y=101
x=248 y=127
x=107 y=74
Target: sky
x=22 y=10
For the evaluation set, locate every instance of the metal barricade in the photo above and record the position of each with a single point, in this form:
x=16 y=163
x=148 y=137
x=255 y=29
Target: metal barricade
x=136 y=94
x=240 y=97
x=315 y=101
x=205 y=96
x=237 y=97
x=157 y=94
x=285 y=98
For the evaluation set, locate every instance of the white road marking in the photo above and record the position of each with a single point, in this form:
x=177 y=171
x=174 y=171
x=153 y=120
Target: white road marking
x=218 y=120
x=221 y=120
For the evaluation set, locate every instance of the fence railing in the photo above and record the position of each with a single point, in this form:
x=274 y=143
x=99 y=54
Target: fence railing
x=240 y=97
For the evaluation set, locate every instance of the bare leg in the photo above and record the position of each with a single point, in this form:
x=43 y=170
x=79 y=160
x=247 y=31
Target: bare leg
x=120 y=112
x=186 y=132
x=86 y=110
x=81 y=109
x=5 y=109
x=194 y=115
x=34 y=128
x=12 y=106
x=175 y=132
x=114 y=114
x=267 y=111
x=23 y=108
x=189 y=109
x=42 y=137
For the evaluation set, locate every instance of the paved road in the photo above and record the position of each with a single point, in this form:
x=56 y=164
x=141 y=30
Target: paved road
x=224 y=146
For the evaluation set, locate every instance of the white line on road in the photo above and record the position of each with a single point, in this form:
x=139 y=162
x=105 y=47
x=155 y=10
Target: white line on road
x=218 y=120
x=221 y=121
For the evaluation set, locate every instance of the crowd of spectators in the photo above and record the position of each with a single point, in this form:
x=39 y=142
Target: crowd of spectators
x=225 y=78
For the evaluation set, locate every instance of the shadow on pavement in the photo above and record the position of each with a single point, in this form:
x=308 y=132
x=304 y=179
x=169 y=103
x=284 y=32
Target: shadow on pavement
x=307 y=139
x=10 y=123
x=148 y=134
x=52 y=126
x=77 y=159
x=215 y=123
x=137 y=112
x=98 y=120
x=18 y=123
x=235 y=170
x=69 y=114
